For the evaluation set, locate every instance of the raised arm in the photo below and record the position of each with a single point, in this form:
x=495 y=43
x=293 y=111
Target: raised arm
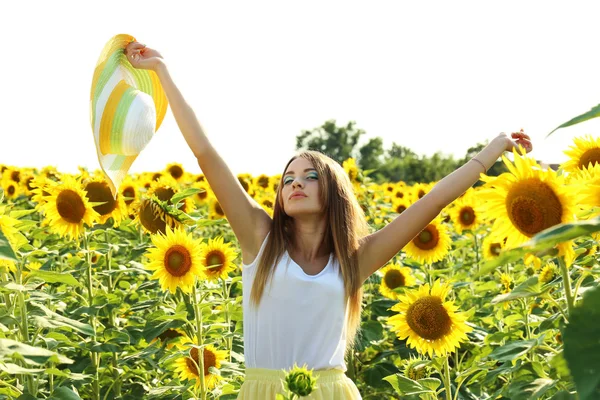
x=378 y=248
x=249 y=221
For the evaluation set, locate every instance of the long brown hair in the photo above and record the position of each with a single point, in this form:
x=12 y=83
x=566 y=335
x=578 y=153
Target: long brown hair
x=346 y=225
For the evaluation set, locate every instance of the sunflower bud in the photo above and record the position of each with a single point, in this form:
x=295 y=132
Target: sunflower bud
x=299 y=381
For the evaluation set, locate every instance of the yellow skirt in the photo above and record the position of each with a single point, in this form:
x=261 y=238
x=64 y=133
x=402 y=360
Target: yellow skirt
x=265 y=384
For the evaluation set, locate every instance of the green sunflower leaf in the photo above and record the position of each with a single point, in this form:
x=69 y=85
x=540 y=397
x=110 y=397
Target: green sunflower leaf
x=593 y=113
x=6 y=251
x=184 y=194
x=582 y=346
x=544 y=240
x=531 y=287
x=30 y=354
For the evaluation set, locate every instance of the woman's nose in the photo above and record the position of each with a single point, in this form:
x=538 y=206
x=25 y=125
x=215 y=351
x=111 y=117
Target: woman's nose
x=296 y=183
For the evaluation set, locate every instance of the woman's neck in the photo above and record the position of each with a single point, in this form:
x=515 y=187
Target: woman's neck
x=308 y=242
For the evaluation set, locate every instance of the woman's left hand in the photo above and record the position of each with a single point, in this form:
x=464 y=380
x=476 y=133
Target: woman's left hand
x=516 y=139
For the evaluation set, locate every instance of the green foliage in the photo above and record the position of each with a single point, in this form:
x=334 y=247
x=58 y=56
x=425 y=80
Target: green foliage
x=582 y=345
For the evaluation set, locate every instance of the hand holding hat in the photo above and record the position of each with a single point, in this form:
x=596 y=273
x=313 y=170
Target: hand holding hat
x=127 y=105
x=143 y=57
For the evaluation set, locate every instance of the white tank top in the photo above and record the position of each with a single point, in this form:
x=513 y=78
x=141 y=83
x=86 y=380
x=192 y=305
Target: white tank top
x=301 y=318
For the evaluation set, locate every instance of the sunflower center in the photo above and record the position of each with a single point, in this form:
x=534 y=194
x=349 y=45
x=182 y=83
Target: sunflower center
x=421 y=193
x=100 y=192
x=178 y=260
x=164 y=193
x=467 y=215
x=268 y=203
x=150 y=220
x=16 y=176
x=428 y=318
x=70 y=206
x=495 y=248
x=169 y=334
x=533 y=206
x=215 y=260
x=176 y=171
x=202 y=195
x=244 y=184
x=11 y=190
x=28 y=183
x=394 y=279
x=401 y=208
x=129 y=191
x=592 y=156
x=210 y=360
x=400 y=195
x=218 y=209
x=263 y=181
x=427 y=239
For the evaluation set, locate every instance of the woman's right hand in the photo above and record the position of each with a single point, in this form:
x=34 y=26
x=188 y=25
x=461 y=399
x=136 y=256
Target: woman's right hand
x=143 y=57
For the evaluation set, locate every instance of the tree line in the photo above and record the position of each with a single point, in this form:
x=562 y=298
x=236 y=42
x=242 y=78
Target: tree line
x=397 y=163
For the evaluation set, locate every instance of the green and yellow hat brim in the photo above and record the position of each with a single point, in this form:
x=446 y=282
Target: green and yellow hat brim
x=127 y=106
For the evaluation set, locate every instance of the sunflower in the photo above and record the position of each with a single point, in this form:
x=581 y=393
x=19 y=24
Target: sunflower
x=129 y=191
x=431 y=324
x=464 y=214
x=205 y=195
x=547 y=273
x=526 y=201
x=152 y=216
x=351 y=169
x=173 y=338
x=400 y=205
x=506 y=281
x=491 y=247
x=8 y=229
x=215 y=210
x=175 y=170
x=164 y=188
x=11 y=188
x=12 y=174
x=246 y=182
x=176 y=260
x=217 y=258
x=585 y=153
x=415 y=368
x=67 y=208
x=431 y=245
x=98 y=191
x=395 y=276
x=267 y=202
x=262 y=181
x=26 y=186
x=39 y=192
x=188 y=367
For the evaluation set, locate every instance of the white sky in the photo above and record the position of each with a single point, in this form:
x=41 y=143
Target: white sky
x=430 y=75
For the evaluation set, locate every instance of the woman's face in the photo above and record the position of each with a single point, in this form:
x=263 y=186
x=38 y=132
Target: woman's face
x=300 y=189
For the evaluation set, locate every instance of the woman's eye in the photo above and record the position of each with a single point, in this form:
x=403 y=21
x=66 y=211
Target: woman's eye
x=312 y=176
x=287 y=180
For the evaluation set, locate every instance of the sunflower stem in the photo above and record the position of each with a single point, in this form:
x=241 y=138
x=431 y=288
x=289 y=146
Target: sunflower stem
x=566 y=283
x=115 y=358
x=548 y=297
x=93 y=355
x=476 y=249
x=24 y=325
x=227 y=318
x=200 y=366
x=447 y=379
x=577 y=285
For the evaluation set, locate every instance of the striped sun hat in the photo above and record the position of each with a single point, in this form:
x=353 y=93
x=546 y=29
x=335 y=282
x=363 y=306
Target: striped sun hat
x=127 y=107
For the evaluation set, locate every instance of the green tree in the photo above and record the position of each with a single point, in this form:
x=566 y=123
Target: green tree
x=371 y=154
x=338 y=142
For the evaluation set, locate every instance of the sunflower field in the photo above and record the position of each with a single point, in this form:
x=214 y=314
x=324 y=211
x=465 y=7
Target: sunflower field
x=140 y=297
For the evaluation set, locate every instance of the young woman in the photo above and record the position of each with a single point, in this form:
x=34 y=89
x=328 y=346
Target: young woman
x=303 y=269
